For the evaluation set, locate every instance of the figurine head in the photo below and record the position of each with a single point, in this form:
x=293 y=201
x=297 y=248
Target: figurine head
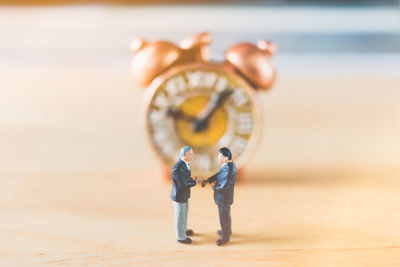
x=187 y=153
x=224 y=155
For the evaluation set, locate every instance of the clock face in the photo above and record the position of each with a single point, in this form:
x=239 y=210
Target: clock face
x=205 y=107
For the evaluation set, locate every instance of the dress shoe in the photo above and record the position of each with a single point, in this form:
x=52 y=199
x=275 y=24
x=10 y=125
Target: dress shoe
x=220 y=232
x=186 y=241
x=221 y=242
x=189 y=232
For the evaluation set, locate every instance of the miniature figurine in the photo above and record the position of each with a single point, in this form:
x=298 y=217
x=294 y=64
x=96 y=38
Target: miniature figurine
x=180 y=193
x=223 y=192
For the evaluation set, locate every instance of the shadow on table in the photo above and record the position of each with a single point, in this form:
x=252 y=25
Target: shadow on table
x=238 y=238
x=302 y=177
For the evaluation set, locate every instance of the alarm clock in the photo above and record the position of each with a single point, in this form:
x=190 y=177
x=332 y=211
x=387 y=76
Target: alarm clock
x=193 y=101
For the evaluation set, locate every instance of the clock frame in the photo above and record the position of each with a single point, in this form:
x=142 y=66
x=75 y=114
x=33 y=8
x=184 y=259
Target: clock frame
x=241 y=140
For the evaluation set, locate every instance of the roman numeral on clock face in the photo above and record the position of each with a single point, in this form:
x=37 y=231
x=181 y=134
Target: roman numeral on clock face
x=169 y=149
x=203 y=162
x=163 y=143
x=160 y=137
x=199 y=79
x=161 y=100
x=156 y=117
x=194 y=78
x=221 y=84
x=244 y=123
x=238 y=145
x=238 y=97
x=175 y=85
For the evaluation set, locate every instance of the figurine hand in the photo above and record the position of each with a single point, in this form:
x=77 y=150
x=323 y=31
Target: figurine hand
x=197 y=180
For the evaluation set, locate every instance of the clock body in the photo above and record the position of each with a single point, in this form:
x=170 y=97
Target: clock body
x=188 y=89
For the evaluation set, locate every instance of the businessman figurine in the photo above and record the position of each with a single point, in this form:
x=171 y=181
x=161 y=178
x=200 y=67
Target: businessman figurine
x=223 y=192
x=180 y=193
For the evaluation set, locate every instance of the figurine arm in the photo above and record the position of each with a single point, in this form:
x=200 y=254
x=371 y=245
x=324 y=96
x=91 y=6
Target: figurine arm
x=212 y=178
x=221 y=185
x=223 y=179
x=187 y=180
x=209 y=180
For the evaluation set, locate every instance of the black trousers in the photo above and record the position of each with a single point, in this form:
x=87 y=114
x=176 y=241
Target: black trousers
x=225 y=221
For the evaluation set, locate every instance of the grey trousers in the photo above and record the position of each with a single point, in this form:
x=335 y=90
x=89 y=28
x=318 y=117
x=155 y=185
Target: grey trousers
x=180 y=214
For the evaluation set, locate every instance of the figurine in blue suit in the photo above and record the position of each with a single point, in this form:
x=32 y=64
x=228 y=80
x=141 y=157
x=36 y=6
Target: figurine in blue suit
x=223 y=192
x=180 y=193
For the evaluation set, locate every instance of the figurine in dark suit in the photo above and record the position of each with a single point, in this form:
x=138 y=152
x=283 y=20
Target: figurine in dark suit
x=223 y=192
x=180 y=193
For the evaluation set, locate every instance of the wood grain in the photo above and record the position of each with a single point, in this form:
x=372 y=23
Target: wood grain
x=123 y=219
x=79 y=185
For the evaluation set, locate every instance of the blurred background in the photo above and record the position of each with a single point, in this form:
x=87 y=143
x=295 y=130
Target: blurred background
x=67 y=102
x=80 y=184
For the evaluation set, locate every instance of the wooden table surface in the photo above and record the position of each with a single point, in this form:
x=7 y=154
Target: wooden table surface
x=292 y=218
x=79 y=185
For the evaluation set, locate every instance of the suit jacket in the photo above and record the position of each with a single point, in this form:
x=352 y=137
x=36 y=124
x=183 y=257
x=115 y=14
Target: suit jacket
x=181 y=182
x=223 y=189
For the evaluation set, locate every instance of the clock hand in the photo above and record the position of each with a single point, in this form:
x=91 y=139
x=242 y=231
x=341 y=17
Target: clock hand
x=178 y=114
x=201 y=123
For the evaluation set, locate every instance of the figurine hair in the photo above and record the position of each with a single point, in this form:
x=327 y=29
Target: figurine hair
x=226 y=152
x=184 y=150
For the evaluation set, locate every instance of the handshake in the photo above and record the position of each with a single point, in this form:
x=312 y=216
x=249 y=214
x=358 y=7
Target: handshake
x=202 y=182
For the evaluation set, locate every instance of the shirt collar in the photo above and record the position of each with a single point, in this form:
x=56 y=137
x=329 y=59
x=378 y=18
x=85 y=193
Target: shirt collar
x=226 y=163
x=185 y=161
x=187 y=164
